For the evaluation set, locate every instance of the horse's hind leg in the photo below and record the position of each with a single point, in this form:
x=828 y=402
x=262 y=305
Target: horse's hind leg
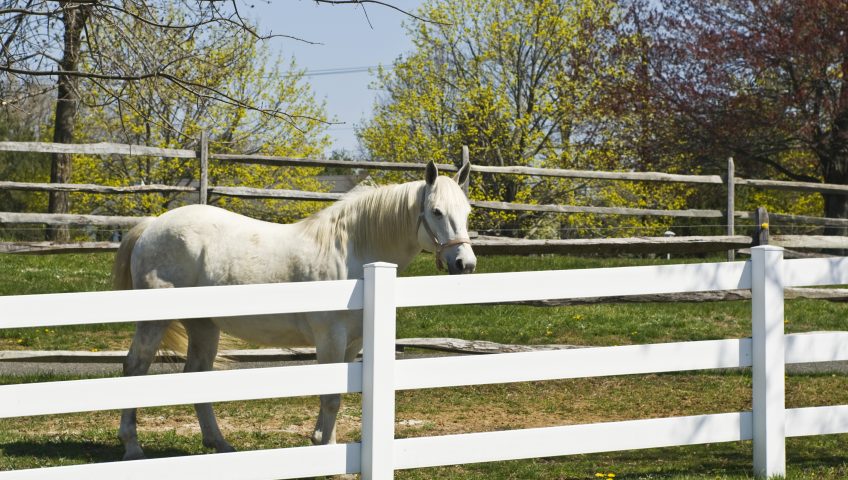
x=148 y=336
x=203 y=336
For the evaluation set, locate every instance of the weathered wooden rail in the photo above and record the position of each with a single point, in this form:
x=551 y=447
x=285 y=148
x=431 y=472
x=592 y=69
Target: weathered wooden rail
x=518 y=246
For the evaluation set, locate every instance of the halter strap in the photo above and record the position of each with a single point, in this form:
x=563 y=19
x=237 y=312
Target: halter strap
x=440 y=247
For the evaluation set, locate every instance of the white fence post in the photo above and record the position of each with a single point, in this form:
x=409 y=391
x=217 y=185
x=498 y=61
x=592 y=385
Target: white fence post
x=768 y=361
x=378 y=369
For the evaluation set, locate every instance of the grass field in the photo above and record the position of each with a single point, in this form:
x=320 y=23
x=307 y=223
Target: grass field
x=167 y=431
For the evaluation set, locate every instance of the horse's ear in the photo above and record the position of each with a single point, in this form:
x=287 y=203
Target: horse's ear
x=431 y=173
x=461 y=176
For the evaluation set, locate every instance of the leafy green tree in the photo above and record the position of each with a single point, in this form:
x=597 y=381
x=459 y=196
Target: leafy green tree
x=520 y=83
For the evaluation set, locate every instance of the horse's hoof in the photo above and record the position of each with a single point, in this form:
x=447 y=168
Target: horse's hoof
x=134 y=454
x=220 y=446
x=225 y=448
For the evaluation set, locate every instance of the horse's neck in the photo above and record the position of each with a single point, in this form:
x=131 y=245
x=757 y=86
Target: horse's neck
x=385 y=234
x=358 y=232
x=389 y=235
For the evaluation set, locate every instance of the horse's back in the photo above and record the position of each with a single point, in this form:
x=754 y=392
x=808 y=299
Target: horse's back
x=199 y=245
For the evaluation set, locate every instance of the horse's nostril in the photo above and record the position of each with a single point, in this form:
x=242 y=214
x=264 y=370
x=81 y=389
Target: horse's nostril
x=459 y=266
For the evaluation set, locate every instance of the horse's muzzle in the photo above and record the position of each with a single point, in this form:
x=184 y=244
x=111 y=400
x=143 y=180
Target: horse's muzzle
x=464 y=262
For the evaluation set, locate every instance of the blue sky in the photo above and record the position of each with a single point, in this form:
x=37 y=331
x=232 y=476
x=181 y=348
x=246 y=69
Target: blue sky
x=347 y=43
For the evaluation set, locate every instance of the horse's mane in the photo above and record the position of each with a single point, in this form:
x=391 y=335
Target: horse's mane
x=375 y=216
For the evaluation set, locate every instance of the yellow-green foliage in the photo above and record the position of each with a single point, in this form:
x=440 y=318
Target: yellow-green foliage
x=158 y=113
x=781 y=201
x=520 y=83
x=24 y=121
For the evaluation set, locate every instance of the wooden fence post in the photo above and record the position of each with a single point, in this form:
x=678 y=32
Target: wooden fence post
x=768 y=363
x=204 y=168
x=761 y=227
x=731 y=204
x=378 y=366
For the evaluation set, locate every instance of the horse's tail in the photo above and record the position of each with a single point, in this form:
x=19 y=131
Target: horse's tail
x=121 y=274
x=176 y=338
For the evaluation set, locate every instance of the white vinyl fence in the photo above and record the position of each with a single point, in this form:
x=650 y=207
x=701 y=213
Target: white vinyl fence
x=379 y=375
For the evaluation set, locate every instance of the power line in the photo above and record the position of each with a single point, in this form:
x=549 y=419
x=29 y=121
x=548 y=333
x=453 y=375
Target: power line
x=338 y=71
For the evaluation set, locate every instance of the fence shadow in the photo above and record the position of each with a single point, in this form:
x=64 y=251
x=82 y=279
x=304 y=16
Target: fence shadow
x=84 y=451
x=719 y=459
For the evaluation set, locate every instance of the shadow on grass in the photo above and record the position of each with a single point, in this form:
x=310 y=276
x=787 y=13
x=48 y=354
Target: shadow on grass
x=718 y=460
x=827 y=451
x=733 y=460
x=80 y=452
x=822 y=456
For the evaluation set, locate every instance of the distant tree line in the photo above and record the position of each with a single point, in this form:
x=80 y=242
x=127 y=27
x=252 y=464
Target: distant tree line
x=585 y=84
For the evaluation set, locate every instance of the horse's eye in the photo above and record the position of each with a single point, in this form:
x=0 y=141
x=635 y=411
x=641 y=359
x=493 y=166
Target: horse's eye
x=437 y=212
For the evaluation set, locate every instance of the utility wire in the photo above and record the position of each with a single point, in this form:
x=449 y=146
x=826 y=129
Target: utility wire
x=338 y=71
x=320 y=72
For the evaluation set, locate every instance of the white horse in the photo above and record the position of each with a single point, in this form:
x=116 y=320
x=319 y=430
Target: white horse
x=200 y=245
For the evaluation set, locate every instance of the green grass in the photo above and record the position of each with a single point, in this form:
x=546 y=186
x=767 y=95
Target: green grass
x=29 y=274
x=169 y=431
x=34 y=274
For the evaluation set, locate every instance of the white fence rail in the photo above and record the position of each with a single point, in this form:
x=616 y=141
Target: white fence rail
x=380 y=375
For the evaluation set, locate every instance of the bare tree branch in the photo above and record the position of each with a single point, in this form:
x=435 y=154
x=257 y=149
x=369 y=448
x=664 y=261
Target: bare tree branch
x=383 y=4
x=27 y=11
x=241 y=23
x=189 y=86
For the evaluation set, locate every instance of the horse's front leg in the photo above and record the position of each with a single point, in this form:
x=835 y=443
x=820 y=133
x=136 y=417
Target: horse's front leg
x=331 y=349
x=148 y=336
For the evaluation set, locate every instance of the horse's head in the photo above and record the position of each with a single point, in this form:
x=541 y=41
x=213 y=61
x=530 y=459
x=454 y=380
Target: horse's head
x=443 y=222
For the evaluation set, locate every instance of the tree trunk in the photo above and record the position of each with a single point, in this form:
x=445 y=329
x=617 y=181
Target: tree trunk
x=836 y=206
x=67 y=102
x=835 y=160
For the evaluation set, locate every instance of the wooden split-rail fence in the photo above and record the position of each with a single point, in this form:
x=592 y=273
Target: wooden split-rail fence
x=484 y=245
